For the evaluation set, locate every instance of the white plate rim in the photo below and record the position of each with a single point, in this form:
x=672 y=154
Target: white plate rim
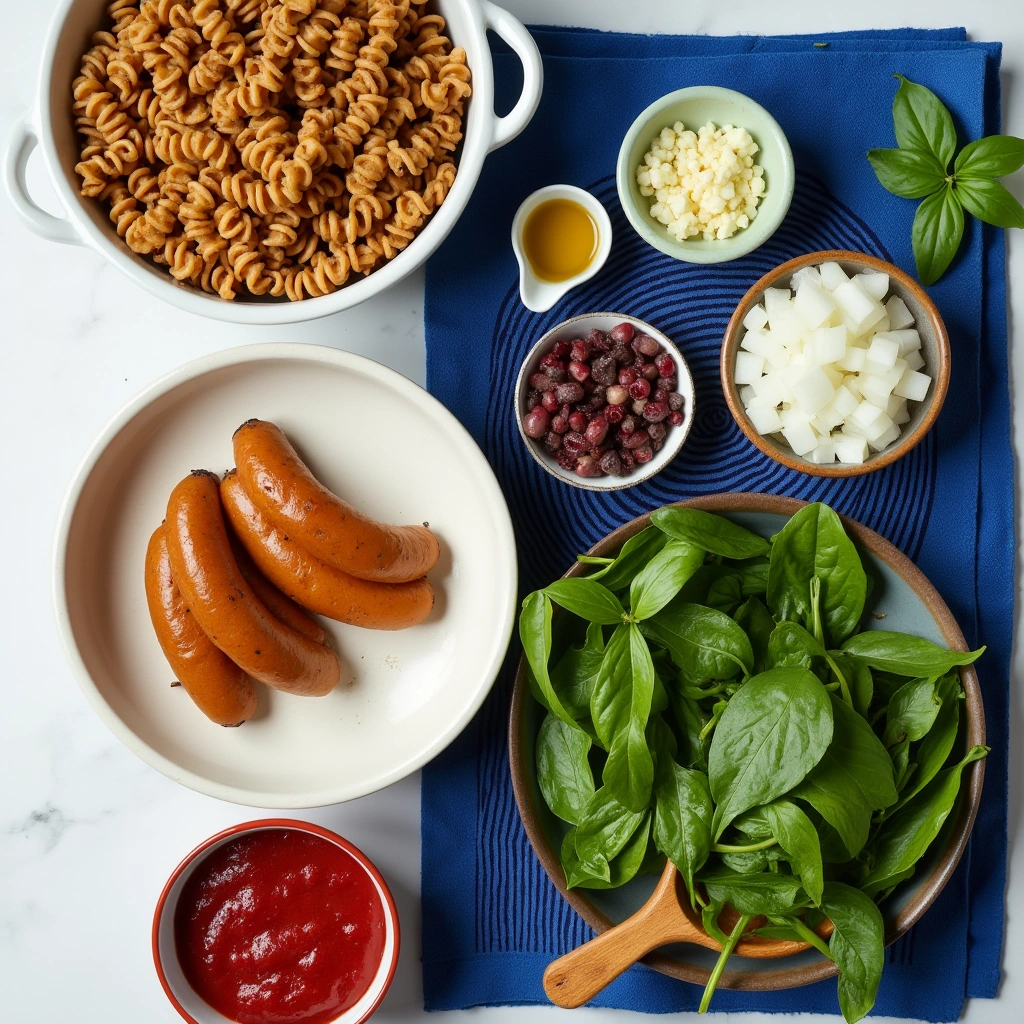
x=260 y=352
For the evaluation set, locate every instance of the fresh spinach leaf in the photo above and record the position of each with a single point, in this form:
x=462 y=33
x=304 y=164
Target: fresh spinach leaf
x=587 y=599
x=535 y=634
x=791 y=645
x=746 y=863
x=904 y=838
x=691 y=720
x=703 y=642
x=563 y=771
x=761 y=893
x=813 y=544
x=725 y=593
x=906 y=655
x=901 y=766
x=621 y=707
x=775 y=729
x=682 y=818
x=912 y=711
x=575 y=675
x=852 y=779
x=858 y=677
x=753 y=823
x=604 y=830
x=754 y=579
x=715 y=534
x=663 y=576
x=795 y=834
x=632 y=557
x=625 y=866
x=857 y=946
x=756 y=621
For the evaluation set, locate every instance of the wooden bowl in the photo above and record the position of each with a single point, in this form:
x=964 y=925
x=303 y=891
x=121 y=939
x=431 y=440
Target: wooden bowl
x=934 y=350
x=911 y=604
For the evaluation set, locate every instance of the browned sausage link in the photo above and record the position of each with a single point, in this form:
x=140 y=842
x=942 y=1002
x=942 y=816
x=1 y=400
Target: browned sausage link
x=224 y=604
x=315 y=584
x=280 y=605
x=219 y=688
x=288 y=494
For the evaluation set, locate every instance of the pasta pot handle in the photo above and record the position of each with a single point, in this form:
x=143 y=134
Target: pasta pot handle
x=20 y=145
x=513 y=32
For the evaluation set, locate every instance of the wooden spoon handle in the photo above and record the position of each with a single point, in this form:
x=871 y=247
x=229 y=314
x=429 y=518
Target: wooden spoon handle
x=574 y=979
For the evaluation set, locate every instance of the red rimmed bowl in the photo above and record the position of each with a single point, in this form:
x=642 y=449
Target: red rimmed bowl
x=180 y=991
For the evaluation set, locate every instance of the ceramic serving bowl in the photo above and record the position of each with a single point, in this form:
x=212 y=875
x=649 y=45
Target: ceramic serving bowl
x=695 y=106
x=934 y=350
x=51 y=126
x=911 y=604
x=540 y=295
x=579 y=327
x=187 y=1001
x=405 y=694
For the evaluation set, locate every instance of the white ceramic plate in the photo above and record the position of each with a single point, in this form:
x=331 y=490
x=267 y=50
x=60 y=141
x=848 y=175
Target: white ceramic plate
x=391 y=450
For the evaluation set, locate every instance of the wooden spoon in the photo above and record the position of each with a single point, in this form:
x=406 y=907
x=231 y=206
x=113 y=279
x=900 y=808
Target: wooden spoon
x=574 y=979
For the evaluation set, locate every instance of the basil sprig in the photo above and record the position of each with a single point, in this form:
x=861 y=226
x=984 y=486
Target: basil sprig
x=920 y=169
x=712 y=699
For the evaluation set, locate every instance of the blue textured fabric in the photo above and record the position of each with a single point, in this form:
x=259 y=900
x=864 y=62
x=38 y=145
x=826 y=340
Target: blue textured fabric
x=491 y=919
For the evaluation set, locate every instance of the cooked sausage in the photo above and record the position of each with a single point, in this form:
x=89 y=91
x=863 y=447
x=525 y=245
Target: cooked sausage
x=231 y=615
x=288 y=494
x=314 y=584
x=279 y=605
x=219 y=688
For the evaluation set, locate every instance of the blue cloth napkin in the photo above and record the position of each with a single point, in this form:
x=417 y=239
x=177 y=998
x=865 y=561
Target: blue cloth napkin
x=491 y=919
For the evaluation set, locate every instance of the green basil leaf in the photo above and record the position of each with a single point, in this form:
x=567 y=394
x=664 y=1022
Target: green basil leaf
x=761 y=893
x=633 y=556
x=795 y=834
x=603 y=832
x=716 y=534
x=906 y=655
x=911 y=712
x=852 y=779
x=575 y=675
x=691 y=720
x=629 y=771
x=746 y=863
x=991 y=157
x=858 y=677
x=936 y=234
x=624 y=867
x=922 y=122
x=756 y=621
x=587 y=599
x=655 y=585
x=814 y=543
x=857 y=945
x=901 y=766
x=904 y=838
x=726 y=593
x=611 y=700
x=703 y=642
x=753 y=823
x=535 y=634
x=563 y=771
x=989 y=201
x=775 y=729
x=909 y=173
x=682 y=818
x=937 y=745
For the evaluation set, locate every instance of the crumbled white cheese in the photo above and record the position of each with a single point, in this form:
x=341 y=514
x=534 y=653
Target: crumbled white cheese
x=704 y=183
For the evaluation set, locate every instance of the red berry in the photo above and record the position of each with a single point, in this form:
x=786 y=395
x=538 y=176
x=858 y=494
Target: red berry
x=580 y=371
x=627 y=375
x=675 y=401
x=575 y=443
x=549 y=401
x=536 y=422
x=659 y=395
x=532 y=400
x=570 y=392
x=560 y=349
x=675 y=418
x=597 y=431
x=636 y=439
x=645 y=345
x=666 y=383
x=588 y=467
x=627 y=426
x=611 y=463
x=540 y=381
x=665 y=364
x=659 y=444
x=649 y=371
x=622 y=332
x=628 y=462
x=657 y=431
x=566 y=459
x=552 y=361
x=560 y=424
x=581 y=350
x=639 y=388
x=622 y=354
x=602 y=368
x=599 y=340
x=643 y=454
x=552 y=441
x=578 y=421
x=614 y=413
x=655 y=412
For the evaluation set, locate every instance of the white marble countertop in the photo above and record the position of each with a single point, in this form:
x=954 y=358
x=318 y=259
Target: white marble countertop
x=88 y=833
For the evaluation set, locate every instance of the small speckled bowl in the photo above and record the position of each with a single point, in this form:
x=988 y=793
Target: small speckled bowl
x=580 y=327
x=696 y=106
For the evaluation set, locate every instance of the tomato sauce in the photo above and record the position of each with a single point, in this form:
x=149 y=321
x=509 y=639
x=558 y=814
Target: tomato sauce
x=280 y=927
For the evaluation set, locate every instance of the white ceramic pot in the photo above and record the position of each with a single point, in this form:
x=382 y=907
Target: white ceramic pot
x=52 y=127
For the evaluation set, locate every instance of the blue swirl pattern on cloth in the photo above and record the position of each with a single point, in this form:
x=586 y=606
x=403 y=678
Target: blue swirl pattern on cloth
x=491 y=919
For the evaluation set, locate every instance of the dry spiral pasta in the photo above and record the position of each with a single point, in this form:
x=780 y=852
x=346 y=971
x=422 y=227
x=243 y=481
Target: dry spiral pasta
x=269 y=147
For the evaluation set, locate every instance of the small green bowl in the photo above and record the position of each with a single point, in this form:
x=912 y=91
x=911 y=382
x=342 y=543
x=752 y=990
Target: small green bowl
x=695 y=107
